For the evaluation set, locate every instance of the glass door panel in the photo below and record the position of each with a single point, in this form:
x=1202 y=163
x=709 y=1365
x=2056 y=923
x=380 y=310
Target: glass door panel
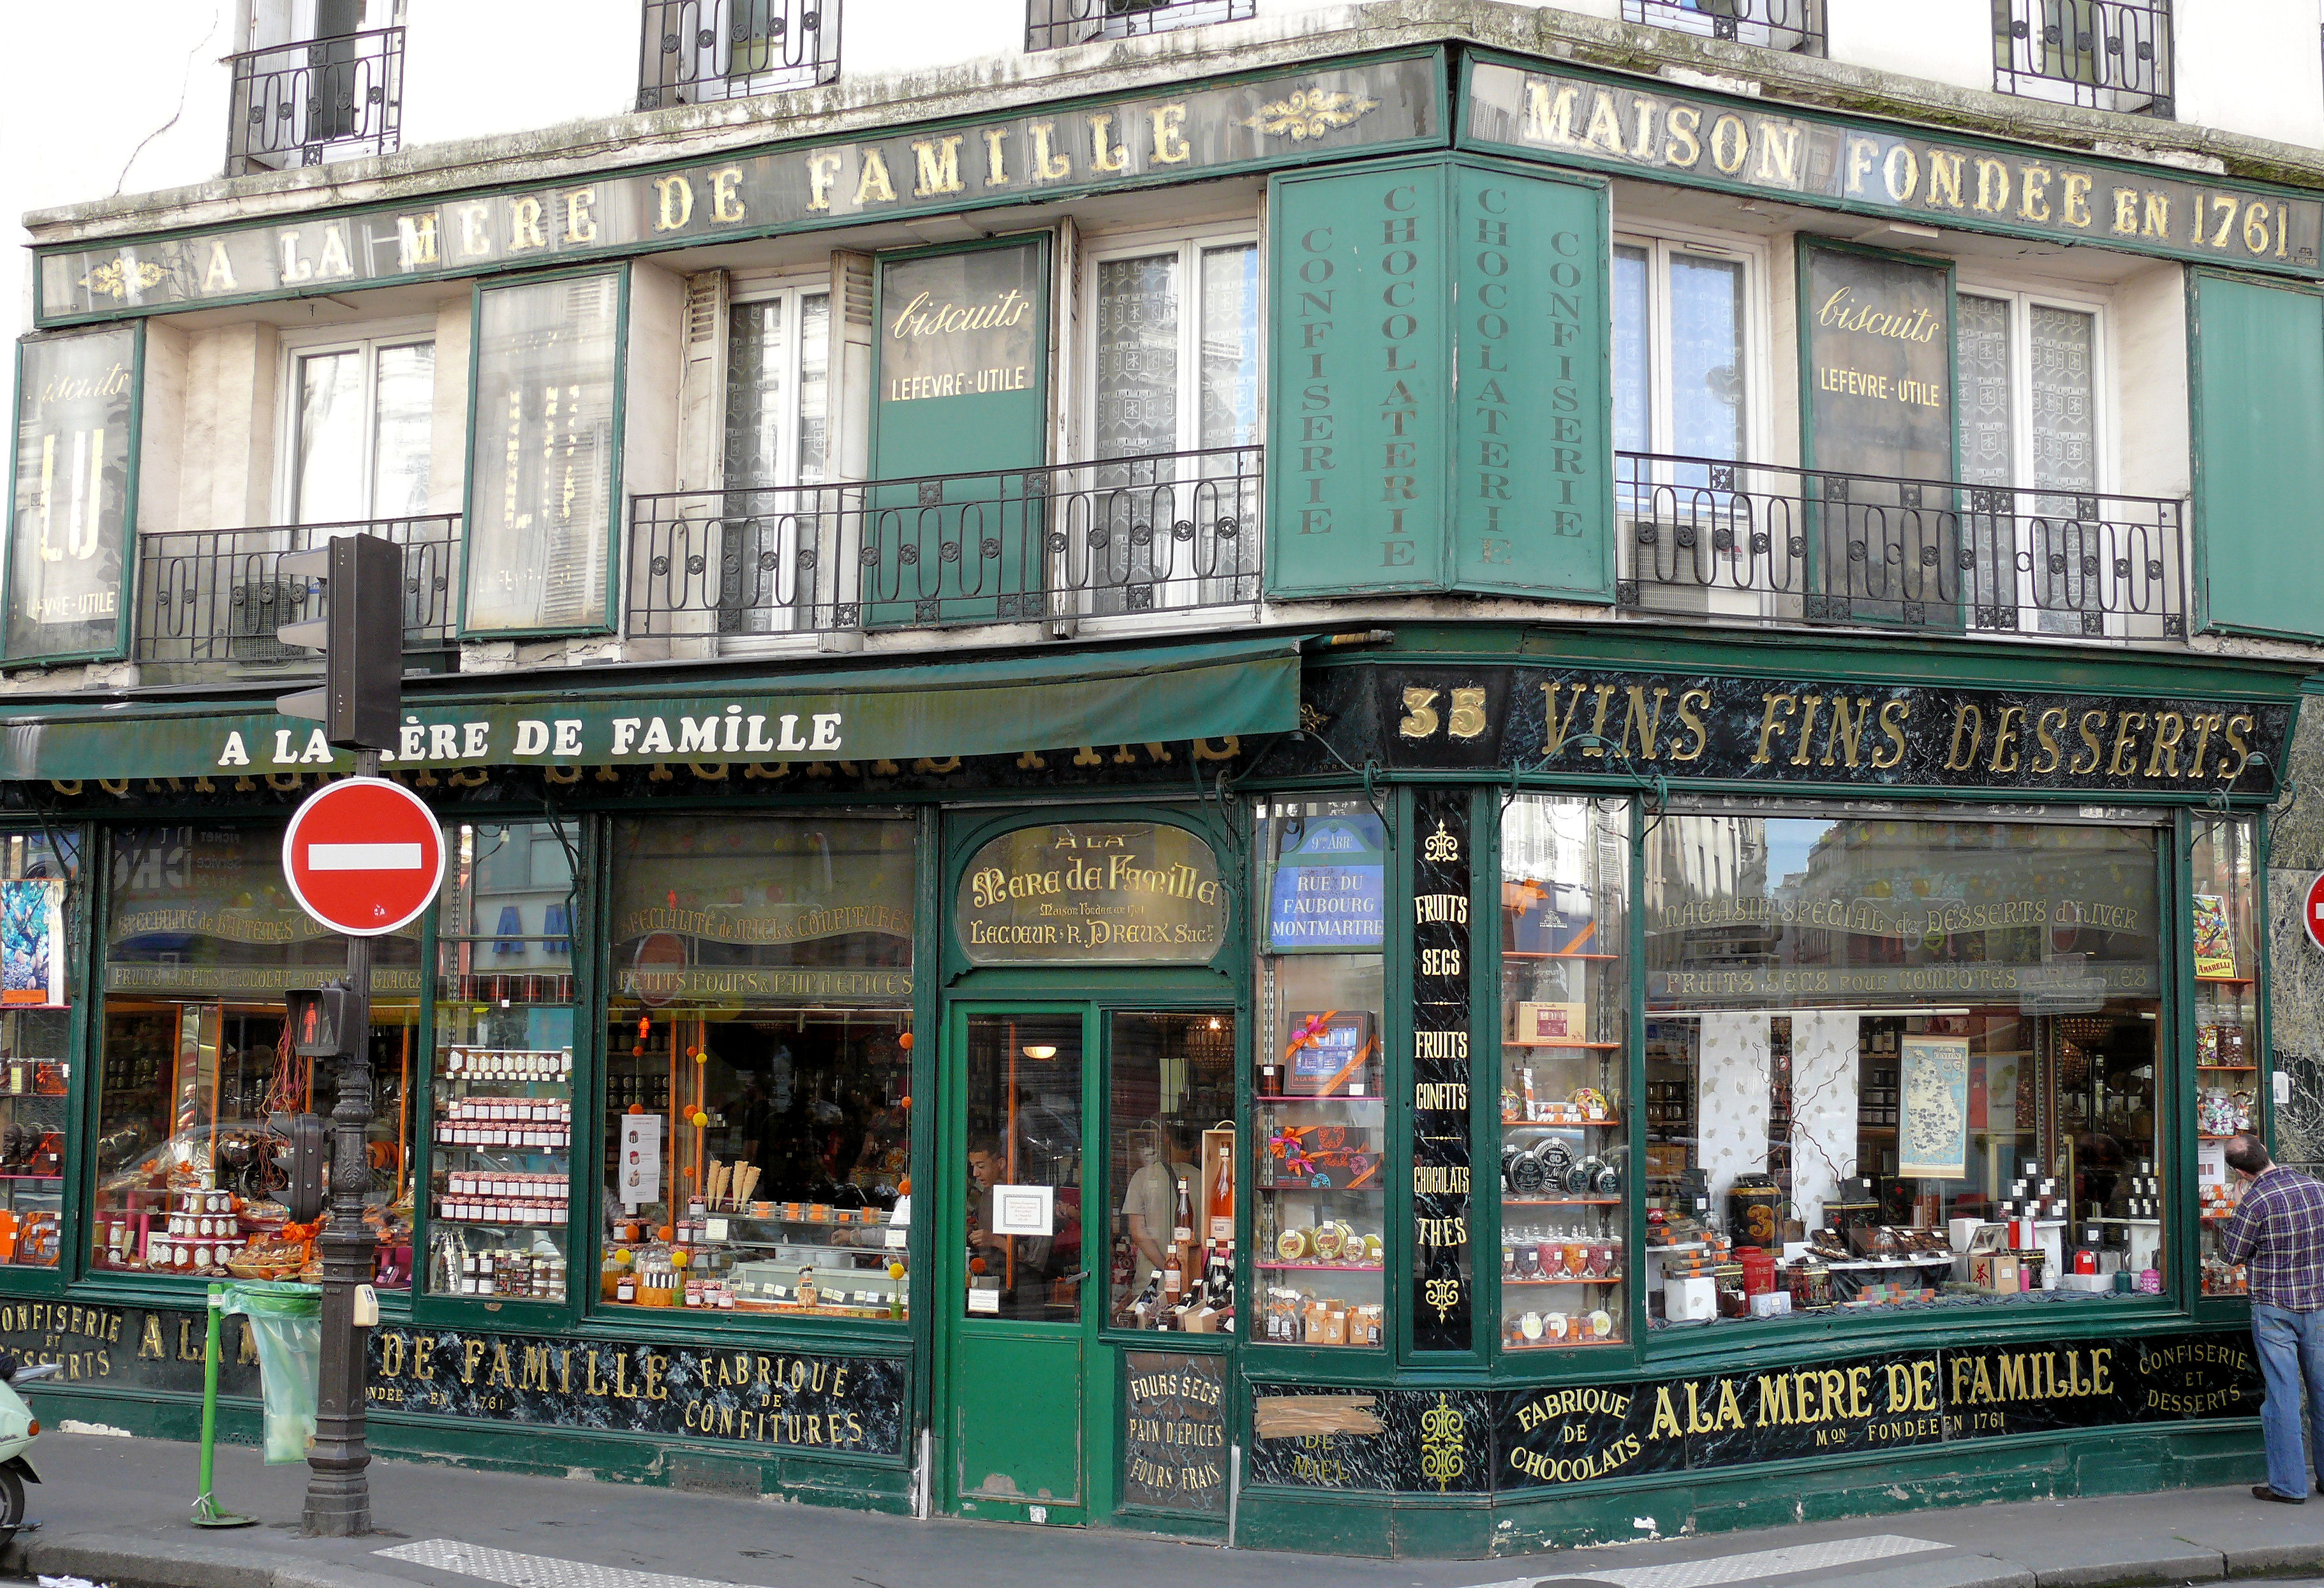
x=1023 y=1101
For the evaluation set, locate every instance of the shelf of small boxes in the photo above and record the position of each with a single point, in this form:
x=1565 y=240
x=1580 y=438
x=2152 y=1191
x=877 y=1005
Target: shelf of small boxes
x=518 y=1124
x=1288 y=1317
x=505 y=1201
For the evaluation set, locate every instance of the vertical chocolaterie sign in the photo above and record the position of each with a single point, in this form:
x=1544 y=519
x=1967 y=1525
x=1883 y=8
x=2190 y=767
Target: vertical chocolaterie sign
x=67 y=554
x=1443 y=1279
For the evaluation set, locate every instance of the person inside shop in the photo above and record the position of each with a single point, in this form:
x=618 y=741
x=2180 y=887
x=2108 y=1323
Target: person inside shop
x=1150 y=1206
x=2277 y=1232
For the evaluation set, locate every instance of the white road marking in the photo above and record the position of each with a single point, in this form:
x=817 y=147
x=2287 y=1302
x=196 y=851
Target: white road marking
x=362 y=857
x=512 y=1570
x=1736 y=1568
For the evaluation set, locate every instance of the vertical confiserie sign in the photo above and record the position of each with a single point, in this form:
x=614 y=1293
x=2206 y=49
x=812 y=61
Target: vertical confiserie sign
x=1442 y=1273
x=76 y=401
x=1532 y=490
x=1361 y=398
x=1439 y=412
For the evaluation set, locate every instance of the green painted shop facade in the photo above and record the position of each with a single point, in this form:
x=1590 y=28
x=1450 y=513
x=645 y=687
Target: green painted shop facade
x=1403 y=927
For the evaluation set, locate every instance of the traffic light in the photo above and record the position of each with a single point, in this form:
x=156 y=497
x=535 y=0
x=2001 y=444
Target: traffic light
x=309 y=1145
x=322 y=1023
x=361 y=639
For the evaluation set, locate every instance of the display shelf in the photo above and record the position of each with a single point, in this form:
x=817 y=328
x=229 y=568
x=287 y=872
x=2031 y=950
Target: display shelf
x=1559 y=1042
x=1615 y=1279
x=1611 y=1123
x=1561 y=1202
x=1320 y=1267
x=2225 y=981
x=1563 y=1344
x=1542 y=953
x=478 y=1092
x=2242 y=1069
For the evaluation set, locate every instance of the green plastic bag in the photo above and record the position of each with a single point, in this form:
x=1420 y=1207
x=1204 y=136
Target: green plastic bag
x=286 y=1321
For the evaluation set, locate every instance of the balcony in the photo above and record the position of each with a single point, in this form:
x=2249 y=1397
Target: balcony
x=1793 y=26
x=1763 y=543
x=317 y=100
x=217 y=596
x=1050 y=24
x=2107 y=54
x=696 y=50
x=1129 y=537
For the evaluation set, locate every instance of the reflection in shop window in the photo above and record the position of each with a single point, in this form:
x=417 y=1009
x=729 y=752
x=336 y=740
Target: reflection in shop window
x=202 y=939
x=758 y=1069
x=1896 y=1061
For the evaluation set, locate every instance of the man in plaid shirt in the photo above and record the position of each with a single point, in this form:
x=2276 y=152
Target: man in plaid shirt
x=2277 y=1232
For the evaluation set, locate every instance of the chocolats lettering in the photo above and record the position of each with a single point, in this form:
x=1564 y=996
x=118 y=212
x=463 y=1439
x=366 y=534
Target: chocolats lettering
x=1806 y=730
x=1443 y=1277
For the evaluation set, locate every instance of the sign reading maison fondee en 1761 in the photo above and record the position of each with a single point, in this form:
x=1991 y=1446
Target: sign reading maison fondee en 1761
x=1051 y=153
x=1702 y=138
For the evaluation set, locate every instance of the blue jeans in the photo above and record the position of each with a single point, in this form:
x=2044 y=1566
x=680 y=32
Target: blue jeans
x=2292 y=1357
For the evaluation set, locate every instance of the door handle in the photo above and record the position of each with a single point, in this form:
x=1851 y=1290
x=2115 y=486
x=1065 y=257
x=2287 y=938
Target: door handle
x=1073 y=1278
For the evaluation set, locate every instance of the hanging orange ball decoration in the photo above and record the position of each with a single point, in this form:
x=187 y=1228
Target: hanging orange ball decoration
x=904 y=1041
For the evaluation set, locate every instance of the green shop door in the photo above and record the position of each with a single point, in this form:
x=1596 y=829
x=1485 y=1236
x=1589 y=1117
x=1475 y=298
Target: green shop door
x=1016 y=1296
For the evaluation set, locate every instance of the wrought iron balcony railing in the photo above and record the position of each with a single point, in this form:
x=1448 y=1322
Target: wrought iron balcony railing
x=2108 y=54
x=316 y=100
x=217 y=596
x=1748 y=542
x=1131 y=535
x=1795 y=25
x=1050 y=24
x=701 y=50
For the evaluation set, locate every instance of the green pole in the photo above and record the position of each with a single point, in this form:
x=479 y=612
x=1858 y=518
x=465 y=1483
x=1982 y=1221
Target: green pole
x=206 y=1513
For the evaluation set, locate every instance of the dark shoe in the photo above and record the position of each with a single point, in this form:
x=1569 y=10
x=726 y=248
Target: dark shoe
x=2262 y=1491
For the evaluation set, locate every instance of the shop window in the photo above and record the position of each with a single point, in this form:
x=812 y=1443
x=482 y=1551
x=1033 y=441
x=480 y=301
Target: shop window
x=361 y=418
x=1174 y=399
x=1894 y=1061
x=201 y=939
x=39 y=910
x=1171 y=1174
x=1682 y=352
x=1027 y=1224
x=499 y=1151
x=2027 y=402
x=777 y=407
x=2231 y=1077
x=758 y=1070
x=1564 y=1019
x=1319 y=1182
x=541 y=493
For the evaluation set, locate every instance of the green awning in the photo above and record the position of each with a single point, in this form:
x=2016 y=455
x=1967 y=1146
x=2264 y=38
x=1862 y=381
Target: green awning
x=896 y=712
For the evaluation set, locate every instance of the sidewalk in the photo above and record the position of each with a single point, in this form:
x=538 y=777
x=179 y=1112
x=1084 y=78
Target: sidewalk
x=114 y=1510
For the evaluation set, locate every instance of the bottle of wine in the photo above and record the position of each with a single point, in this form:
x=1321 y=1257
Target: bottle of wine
x=1173 y=1280
x=1182 y=1225
x=1223 y=1207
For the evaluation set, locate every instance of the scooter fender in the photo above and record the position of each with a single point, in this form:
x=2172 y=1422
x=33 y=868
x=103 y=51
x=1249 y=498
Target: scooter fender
x=22 y=1466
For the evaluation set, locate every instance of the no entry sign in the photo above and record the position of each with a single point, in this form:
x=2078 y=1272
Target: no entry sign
x=364 y=856
x=2313 y=911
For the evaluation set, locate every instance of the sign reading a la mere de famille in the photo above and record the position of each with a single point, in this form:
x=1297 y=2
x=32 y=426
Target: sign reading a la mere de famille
x=1284 y=118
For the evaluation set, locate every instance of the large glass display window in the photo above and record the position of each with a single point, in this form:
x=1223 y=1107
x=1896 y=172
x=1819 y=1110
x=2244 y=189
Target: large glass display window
x=2231 y=1077
x=758 y=1074
x=201 y=940
x=1171 y=1171
x=1564 y=1022
x=1318 y=1108
x=501 y=1096
x=39 y=922
x=1893 y=1062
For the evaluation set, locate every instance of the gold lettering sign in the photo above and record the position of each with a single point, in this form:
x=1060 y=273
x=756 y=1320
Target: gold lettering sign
x=1091 y=893
x=1817 y=161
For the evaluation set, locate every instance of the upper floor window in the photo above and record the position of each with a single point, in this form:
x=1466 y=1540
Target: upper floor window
x=361 y=418
x=1050 y=23
x=316 y=80
x=777 y=387
x=2108 y=54
x=1795 y=25
x=696 y=50
x=1685 y=336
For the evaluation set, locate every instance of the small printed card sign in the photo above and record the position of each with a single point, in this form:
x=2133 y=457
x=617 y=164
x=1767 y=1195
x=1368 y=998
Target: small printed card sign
x=1024 y=1210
